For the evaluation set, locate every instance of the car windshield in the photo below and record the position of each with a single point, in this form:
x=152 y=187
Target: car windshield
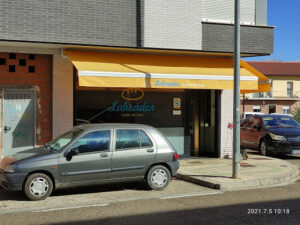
x=61 y=141
x=280 y=121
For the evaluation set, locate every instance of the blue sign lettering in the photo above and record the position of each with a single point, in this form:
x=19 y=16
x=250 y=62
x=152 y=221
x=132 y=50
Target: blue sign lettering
x=125 y=107
x=166 y=84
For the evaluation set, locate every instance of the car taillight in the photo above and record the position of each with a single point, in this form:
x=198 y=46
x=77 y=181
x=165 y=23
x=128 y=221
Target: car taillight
x=175 y=156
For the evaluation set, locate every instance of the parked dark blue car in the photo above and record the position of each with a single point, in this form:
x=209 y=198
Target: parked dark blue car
x=271 y=133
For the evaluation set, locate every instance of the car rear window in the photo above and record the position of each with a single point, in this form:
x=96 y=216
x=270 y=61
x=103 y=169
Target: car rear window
x=145 y=140
x=132 y=138
x=127 y=139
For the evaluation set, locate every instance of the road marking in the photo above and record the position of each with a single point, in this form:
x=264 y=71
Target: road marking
x=71 y=207
x=191 y=195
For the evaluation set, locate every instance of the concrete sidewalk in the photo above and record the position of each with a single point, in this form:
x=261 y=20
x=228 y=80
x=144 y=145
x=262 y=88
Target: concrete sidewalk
x=256 y=172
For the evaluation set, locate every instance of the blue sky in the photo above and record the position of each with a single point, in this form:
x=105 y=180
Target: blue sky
x=285 y=16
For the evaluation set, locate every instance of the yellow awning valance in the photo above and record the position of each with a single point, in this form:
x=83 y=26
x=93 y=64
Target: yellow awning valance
x=102 y=69
x=263 y=81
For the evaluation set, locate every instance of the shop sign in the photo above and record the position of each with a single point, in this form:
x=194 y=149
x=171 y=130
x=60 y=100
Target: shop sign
x=163 y=83
x=176 y=103
x=132 y=94
x=128 y=107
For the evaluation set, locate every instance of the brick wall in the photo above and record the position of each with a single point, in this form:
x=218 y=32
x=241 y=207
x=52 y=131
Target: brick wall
x=226 y=117
x=62 y=95
x=34 y=72
x=264 y=105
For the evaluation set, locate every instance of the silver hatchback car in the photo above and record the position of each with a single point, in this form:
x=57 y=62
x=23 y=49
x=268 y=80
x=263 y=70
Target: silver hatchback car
x=92 y=154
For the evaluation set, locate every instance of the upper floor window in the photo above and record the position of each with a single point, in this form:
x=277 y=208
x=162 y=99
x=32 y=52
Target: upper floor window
x=286 y=109
x=256 y=108
x=290 y=89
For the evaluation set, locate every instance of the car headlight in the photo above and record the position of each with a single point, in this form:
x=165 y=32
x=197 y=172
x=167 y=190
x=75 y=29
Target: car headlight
x=9 y=168
x=277 y=137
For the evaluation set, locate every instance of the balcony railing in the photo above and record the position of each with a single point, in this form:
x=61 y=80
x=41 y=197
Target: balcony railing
x=275 y=95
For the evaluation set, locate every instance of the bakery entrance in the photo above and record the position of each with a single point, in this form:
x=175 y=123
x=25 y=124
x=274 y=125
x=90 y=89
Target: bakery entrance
x=202 y=122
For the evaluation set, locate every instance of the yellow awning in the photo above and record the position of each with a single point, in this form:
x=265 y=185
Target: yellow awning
x=263 y=81
x=103 y=69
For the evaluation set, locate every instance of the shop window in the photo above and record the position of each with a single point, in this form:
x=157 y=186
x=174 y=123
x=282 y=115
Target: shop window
x=22 y=62
x=256 y=108
x=31 y=69
x=12 y=56
x=2 y=61
x=12 y=68
x=286 y=109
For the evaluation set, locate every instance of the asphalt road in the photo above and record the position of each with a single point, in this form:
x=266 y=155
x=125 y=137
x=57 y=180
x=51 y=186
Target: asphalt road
x=277 y=205
x=280 y=205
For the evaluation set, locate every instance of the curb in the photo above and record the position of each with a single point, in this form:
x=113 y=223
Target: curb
x=264 y=182
x=198 y=181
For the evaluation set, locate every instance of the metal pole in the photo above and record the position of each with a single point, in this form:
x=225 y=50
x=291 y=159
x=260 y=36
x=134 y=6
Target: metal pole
x=244 y=103
x=236 y=93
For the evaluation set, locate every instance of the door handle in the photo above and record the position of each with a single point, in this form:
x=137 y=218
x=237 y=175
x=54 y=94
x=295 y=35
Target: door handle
x=150 y=150
x=6 y=129
x=103 y=154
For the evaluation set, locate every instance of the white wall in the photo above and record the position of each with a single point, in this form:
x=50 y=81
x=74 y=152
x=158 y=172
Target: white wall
x=226 y=117
x=174 y=24
x=223 y=11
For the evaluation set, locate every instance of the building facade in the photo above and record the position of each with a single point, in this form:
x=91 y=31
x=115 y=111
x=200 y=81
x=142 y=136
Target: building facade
x=284 y=97
x=49 y=80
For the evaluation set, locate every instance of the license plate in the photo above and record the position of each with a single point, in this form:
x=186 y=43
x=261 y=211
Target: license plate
x=295 y=151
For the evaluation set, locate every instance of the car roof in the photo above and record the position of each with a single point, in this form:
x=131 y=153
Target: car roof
x=111 y=125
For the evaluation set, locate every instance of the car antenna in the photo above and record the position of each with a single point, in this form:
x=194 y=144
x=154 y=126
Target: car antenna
x=98 y=114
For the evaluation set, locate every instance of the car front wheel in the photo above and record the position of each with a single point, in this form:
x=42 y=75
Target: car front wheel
x=38 y=186
x=158 y=177
x=263 y=148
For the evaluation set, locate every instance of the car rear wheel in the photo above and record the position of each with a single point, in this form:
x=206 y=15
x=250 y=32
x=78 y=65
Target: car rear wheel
x=38 y=186
x=158 y=177
x=263 y=148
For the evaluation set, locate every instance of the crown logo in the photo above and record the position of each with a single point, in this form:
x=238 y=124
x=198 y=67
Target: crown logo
x=132 y=94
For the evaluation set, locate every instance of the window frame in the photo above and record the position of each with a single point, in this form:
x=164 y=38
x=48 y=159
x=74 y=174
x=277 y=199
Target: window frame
x=286 y=107
x=91 y=131
x=135 y=148
x=256 y=107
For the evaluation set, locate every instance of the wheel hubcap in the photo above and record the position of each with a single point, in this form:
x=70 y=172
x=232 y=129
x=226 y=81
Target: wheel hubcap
x=39 y=186
x=159 y=177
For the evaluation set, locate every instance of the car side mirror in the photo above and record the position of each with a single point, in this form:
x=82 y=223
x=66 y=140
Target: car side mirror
x=258 y=127
x=74 y=151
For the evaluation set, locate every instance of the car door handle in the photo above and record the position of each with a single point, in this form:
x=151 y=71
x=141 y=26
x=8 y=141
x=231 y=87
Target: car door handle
x=103 y=154
x=6 y=129
x=150 y=150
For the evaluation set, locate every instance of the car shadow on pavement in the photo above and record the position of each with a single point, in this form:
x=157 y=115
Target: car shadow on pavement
x=200 y=175
x=19 y=196
x=11 y=195
x=274 y=155
x=137 y=186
